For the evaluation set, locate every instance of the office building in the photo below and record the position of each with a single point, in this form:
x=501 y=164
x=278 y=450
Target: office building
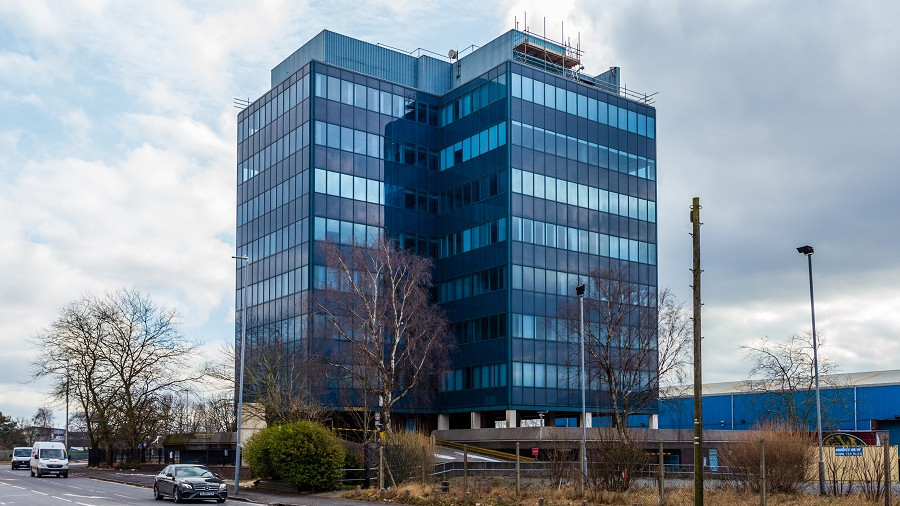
x=509 y=165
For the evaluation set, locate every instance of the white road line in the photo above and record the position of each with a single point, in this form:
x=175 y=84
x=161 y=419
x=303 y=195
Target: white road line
x=42 y=493
x=62 y=499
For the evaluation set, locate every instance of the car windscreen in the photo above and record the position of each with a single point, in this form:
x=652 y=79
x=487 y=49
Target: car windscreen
x=191 y=472
x=22 y=452
x=52 y=453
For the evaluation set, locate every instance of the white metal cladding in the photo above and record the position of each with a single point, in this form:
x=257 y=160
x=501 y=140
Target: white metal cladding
x=844 y=380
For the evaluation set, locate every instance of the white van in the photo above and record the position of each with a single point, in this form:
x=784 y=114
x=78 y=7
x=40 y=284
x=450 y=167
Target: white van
x=21 y=457
x=48 y=457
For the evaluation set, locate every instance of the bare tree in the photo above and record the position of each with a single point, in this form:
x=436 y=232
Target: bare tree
x=784 y=371
x=281 y=385
x=387 y=338
x=216 y=414
x=116 y=356
x=634 y=339
x=674 y=339
x=43 y=419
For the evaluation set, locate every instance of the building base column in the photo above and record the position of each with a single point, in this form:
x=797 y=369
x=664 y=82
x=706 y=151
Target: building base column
x=443 y=422
x=511 y=418
x=475 y=420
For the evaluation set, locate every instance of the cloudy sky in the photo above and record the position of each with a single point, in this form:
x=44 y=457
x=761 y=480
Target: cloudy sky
x=117 y=134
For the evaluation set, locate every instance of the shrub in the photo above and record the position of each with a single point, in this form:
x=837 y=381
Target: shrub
x=788 y=459
x=127 y=464
x=613 y=464
x=304 y=454
x=406 y=453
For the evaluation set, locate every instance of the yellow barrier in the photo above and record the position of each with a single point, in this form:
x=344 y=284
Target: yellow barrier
x=482 y=451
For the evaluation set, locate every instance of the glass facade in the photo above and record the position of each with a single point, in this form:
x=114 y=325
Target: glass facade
x=518 y=183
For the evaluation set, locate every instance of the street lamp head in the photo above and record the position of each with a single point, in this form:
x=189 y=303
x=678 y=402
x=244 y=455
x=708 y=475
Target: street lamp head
x=579 y=290
x=806 y=250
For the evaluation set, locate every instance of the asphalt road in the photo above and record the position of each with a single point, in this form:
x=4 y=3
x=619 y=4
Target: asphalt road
x=19 y=488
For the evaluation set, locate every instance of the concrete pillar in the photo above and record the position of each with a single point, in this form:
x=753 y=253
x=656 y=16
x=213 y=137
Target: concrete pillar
x=511 y=418
x=443 y=422
x=475 y=420
x=654 y=421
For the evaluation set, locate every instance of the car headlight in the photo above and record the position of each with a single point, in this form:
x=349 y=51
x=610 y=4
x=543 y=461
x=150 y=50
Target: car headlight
x=187 y=486
x=222 y=486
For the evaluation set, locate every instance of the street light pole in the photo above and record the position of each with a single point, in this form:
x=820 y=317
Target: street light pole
x=579 y=290
x=67 y=405
x=808 y=251
x=240 y=406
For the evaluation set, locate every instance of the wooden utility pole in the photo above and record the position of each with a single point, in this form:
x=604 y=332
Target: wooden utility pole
x=698 y=376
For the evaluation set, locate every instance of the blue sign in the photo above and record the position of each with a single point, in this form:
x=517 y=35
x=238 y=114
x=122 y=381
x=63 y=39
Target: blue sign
x=713 y=459
x=848 y=451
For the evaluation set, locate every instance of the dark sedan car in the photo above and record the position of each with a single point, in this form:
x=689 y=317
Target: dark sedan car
x=185 y=482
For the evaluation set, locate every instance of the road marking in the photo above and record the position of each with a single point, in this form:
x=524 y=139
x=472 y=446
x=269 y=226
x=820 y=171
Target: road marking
x=42 y=493
x=62 y=499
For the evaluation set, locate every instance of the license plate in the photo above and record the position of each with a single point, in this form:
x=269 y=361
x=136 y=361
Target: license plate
x=206 y=493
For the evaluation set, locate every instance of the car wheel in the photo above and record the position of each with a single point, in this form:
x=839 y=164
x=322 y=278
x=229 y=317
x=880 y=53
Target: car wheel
x=38 y=473
x=177 y=496
x=156 y=494
x=220 y=501
x=65 y=475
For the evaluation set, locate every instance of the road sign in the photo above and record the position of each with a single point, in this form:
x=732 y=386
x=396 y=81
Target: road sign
x=534 y=452
x=848 y=451
x=713 y=459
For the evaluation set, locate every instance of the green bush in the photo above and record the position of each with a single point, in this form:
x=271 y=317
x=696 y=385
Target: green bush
x=304 y=454
x=127 y=464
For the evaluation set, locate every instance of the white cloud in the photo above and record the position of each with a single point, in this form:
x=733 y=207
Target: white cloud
x=117 y=149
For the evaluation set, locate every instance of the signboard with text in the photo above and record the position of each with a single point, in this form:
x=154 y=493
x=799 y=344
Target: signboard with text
x=848 y=451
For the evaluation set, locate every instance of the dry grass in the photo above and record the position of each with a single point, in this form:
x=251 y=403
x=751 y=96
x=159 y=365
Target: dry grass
x=499 y=493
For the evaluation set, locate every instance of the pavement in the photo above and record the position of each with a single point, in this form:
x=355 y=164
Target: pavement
x=246 y=492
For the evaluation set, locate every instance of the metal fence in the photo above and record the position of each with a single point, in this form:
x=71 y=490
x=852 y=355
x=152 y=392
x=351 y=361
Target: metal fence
x=212 y=457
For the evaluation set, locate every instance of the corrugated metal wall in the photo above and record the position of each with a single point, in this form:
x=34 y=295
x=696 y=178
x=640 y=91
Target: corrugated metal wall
x=850 y=408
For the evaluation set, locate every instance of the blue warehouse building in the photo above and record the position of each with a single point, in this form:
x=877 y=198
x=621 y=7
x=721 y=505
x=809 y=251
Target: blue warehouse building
x=851 y=403
x=509 y=166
